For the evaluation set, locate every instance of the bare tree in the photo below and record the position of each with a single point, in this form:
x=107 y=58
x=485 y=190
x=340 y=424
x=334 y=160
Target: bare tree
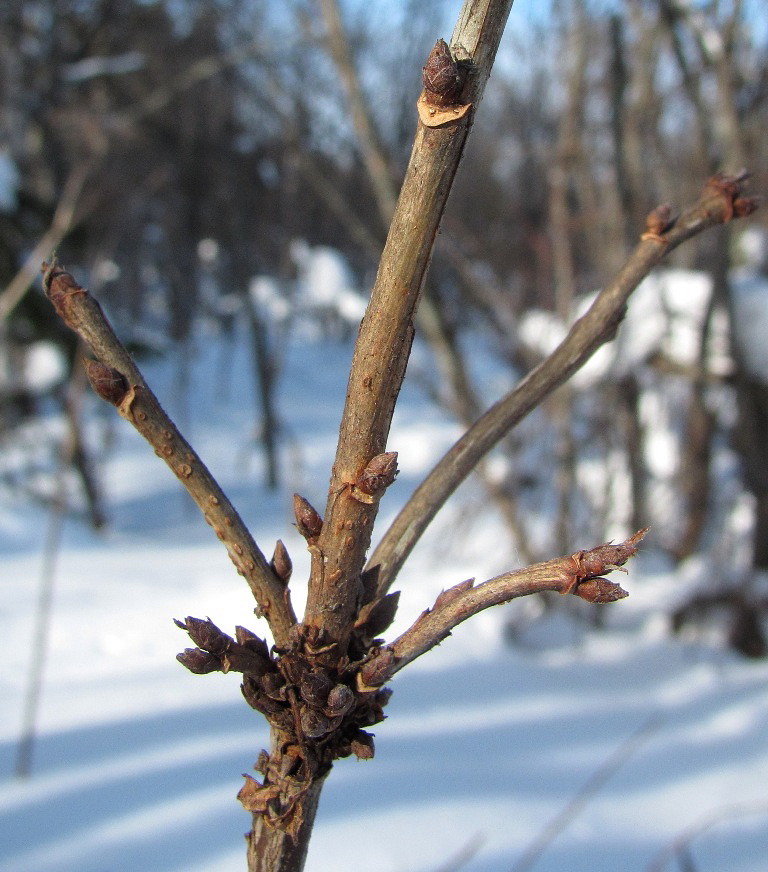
x=324 y=680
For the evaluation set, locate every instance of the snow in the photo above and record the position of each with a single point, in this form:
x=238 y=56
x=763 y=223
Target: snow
x=10 y=180
x=486 y=745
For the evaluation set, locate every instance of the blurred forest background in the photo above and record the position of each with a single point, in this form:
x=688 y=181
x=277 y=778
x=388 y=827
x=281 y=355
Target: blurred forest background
x=187 y=160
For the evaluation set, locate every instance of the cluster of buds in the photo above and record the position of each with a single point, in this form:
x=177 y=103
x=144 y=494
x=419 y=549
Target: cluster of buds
x=218 y=652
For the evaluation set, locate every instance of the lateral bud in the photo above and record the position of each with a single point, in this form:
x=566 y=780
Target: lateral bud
x=377 y=476
x=107 y=383
x=198 y=661
x=658 y=222
x=440 y=75
x=600 y=590
x=281 y=562
x=308 y=521
x=206 y=635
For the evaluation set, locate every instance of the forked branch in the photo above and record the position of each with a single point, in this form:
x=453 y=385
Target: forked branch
x=383 y=343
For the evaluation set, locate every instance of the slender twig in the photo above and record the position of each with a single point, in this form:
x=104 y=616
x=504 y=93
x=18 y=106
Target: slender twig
x=372 y=153
x=720 y=201
x=580 y=573
x=383 y=344
x=593 y=784
x=117 y=379
x=64 y=219
x=682 y=842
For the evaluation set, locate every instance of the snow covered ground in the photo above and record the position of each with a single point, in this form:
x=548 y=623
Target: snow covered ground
x=574 y=751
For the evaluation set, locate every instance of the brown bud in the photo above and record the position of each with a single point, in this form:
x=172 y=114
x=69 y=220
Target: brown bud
x=600 y=590
x=308 y=522
x=341 y=700
x=281 y=563
x=199 y=662
x=314 y=687
x=315 y=724
x=377 y=670
x=106 y=382
x=379 y=474
x=380 y=615
x=206 y=635
x=440 y=75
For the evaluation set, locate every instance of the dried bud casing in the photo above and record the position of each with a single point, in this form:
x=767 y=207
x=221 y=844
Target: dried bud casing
x=440 y=75
x=281 y=562
x=308 y=522
x=362 y=745
x=378 y=474
x=107 y=383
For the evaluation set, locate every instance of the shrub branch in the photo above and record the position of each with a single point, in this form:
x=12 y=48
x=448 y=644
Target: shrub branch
x=116 y=379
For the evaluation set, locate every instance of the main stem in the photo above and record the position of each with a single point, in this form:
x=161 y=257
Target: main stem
x=386 y=333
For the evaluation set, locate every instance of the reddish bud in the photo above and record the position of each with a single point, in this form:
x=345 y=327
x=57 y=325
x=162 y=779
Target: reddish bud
x=308 y=522
x=744 y=206
x=107 y=383
x=658 y=220
x=600 y=590
x=440 y=75
x=379 y=474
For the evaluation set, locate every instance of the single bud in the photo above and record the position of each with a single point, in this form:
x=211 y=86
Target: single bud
x=341 y=700
x=440 y=75
x=600 y=590
x=378 y=474
x=308 y=522
x=106 y=382
x=206 y=635
x=281 y=563
x=743 y=206
x=199 y=662
x=252 y=642
x=315 y=724
x=314 y=688
x=377 y=670
x=658 y=220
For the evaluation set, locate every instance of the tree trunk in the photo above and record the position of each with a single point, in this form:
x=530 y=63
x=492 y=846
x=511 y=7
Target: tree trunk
x=273 y=850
